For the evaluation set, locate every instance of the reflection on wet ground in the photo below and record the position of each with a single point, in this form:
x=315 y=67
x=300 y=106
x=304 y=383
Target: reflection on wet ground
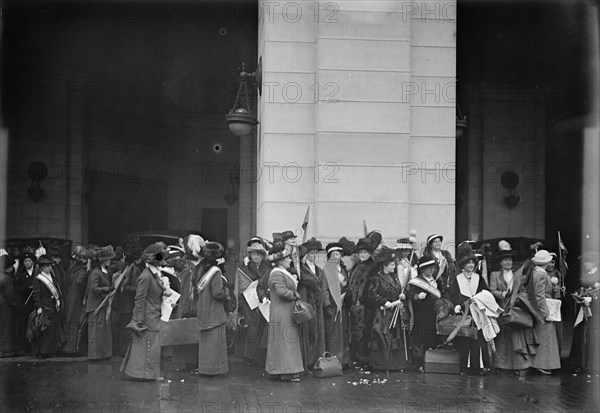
x=72 y=385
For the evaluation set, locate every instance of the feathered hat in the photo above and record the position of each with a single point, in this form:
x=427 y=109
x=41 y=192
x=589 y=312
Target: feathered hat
x=504 y=251
x=193 y=246
x=156 y=254
x=364 y=244
x=278 y=251
x=384 y=256
x=464 y=254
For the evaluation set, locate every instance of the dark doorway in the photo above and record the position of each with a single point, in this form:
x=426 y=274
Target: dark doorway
x=119 y=204
x=214 y=225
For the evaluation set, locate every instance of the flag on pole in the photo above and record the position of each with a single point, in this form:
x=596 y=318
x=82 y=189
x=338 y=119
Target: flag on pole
x=305 y=224
x=365 y=228
x=562 y=260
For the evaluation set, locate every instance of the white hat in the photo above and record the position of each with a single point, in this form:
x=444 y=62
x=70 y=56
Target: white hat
x=542 y=257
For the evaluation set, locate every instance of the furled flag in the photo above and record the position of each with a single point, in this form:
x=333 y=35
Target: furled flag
x=562 y=259
x=305 y=224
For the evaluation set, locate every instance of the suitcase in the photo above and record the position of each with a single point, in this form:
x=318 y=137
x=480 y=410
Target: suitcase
x=442 y=360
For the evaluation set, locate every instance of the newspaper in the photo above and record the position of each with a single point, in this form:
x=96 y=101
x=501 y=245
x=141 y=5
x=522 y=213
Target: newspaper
x=251 y=295
x=554 y=308
x=167 y=305
x=265 y=310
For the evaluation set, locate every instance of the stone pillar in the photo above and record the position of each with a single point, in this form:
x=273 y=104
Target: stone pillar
x=247 y=199
x=347 y=126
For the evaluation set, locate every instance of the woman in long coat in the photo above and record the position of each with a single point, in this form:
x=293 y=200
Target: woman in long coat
x=312 y=332
x=359 y=276
x=514 y=346
x=11 y=308
x=251 y=340
x=423 y=292
x=467 y=284
x=78 y=274
x=284 y=353
x=212 y=350
x=100 y=285
x=535 y=284
x=49 y=303
x=336 y=302
x=142 y=359
x=387 y=346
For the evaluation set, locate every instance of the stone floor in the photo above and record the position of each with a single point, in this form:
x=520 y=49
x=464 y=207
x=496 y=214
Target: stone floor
x=72 y=385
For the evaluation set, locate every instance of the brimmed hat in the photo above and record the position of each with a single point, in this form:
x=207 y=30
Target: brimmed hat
x=364 y=244
x=193 y=246
x=432 y=237
x=426 y=260
x=375 y=237
x=384 y=256
x=29 y=255
x=256 y=239
x=464 y=254
x=541 y=257
x=504 y=251
x=257 y=248
x=312 y=245
x=212 y=250
x=105 y=253
x=404 y=244
x=175 y=251
x=347 y=245
x=156 y=254
x=278 y=251
x=285 y=235
x=46 y=260
x=334 y=246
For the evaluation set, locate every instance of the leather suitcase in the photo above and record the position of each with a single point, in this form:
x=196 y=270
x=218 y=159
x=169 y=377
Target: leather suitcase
x=441 y=360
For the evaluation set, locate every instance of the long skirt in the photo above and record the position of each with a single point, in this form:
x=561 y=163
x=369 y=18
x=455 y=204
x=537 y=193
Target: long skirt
x=546 y=356
x=337 y=336
x=388 y=350
x=212 y=351
x=52 y=338
x=251 y=341
x=99 y=336
x=515 y=348
x=142 y=359
x=423 y=337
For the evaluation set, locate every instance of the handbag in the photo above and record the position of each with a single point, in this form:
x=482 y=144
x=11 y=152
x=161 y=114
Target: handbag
x=327 y=366
x=303 y=312
x=517 y=317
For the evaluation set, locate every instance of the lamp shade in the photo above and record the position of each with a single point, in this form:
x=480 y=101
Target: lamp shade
x=240 y=122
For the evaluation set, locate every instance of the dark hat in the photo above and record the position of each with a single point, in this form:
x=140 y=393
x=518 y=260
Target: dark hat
x=278 y=251
x=105 y=253
x=256 y=248
x=334 y=246
x=175 y=251
x=347 y=245
x=427 y=260
x=404 y=244
x=432 y=237
x=212 y=250
x=46 y=260
x=29 y=255
x=464 y=254
x=312 y=245
x=155 y=254
x=385 y=255
x=364 y=244
x=256 y=239
x=6 y=261
x=285 y=235
x=375 y=237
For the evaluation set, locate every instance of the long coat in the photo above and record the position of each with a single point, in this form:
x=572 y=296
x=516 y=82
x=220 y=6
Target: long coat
x=585 y=352
x=51 y=339
x=142 y=359
x=74 y=306
x=212 y=349
x=99 y=329
x=424 y=334
x=312 y=332
x=386 y=344
x=284 y=353
x=11 y=311
x=547 y=356
x=337 y=320
x=251 y=342
x=514 y=346
x=359 y=276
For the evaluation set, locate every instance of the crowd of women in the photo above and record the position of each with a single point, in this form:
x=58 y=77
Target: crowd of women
x=371 y=305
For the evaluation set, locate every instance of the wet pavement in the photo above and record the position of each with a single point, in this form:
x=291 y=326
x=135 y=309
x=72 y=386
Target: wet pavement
x=73 y=385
